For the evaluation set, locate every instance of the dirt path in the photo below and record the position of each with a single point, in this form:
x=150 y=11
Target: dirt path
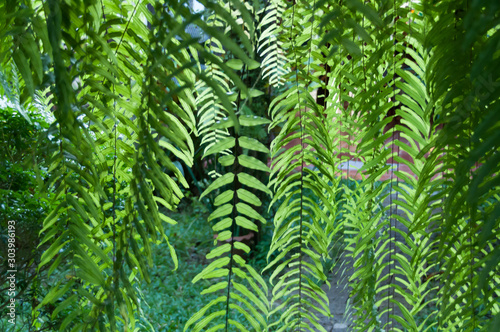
x=338 y=294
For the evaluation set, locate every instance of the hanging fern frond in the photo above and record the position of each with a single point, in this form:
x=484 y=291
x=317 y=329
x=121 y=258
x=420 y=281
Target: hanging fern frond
x=418 y=197
x=371 y=62
x=408 y=89
x=244 y=290
x=470 y=269
x=270 y=44
x=121 y=118
x=210 y=109
x=303 y=179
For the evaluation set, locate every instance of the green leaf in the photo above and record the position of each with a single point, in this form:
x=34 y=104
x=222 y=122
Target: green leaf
x=225 y=197
x=202 y=311
x=252 y=64
x=249 y=212
x=235 y=64
x=173 y=254
x=252 y=144
x=248 y=197
x=211 y=267
x=219 y=182
x=25 y=70
x=221 y=211
x=226 y=160
x=252 y=182
x=241 y=246
x=253 y=163
x=223 y=224
x=216 y=252
x=225 y=144
x=249 y=120
x=226 y=122
x=245 y=223
x=53 y=250
x=215 y=288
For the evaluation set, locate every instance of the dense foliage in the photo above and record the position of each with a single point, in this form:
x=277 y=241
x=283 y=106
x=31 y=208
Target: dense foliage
x=408 y=89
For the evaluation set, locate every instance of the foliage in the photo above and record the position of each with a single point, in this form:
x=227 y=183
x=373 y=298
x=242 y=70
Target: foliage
x=392 y=84
x=23 y=128
x=189 y=237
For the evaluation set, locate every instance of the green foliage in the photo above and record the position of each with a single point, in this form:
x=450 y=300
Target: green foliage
x=270 y=46
x=409 y=88
x=189 y=237
x=245 y=291
x=23 y=128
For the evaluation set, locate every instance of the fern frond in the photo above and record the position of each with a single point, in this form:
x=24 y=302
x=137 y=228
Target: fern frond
x=245 y=291
x=301 y=175
x=270 y=45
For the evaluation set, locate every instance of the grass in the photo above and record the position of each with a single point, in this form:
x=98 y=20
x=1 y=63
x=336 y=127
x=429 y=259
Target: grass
x=171 y=298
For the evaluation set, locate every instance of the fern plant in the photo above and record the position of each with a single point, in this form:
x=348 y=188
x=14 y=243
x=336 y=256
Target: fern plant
x=243 y=288
x=407 y=88
x=124 y=111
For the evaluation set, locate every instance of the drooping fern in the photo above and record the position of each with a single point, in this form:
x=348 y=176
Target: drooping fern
x=405 y=88
x=470 y=271
x=210 y=110
x=244 y=290
x=122 y=118
x=270 y=45
x=303 y=179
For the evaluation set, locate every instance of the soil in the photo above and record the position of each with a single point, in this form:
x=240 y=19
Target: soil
x=338 y=293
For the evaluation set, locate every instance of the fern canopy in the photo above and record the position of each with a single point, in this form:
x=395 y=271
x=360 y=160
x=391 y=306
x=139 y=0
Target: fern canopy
x=406 y=90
